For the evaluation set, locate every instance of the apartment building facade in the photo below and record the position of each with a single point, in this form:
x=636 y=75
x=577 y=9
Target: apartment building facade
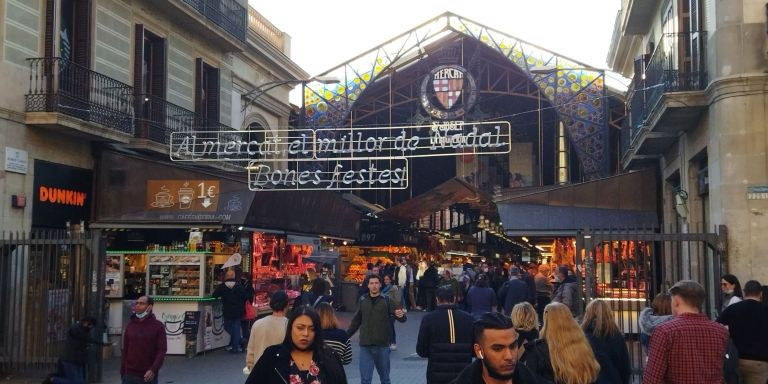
x=697 y=113
x=81 y=77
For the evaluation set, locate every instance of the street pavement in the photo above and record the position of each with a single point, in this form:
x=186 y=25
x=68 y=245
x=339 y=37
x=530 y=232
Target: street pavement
x=223 y=367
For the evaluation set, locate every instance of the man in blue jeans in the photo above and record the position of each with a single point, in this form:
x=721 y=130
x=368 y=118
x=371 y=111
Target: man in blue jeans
x=372 y=319
x=233 y=297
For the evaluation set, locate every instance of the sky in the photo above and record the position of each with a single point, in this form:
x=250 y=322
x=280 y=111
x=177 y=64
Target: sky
x=325 y=34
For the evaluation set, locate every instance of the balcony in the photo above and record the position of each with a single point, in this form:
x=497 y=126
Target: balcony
x=68 y=97
x=227 y=14
x=156 y=119
x=262 y=27
x=666 y=97
x=221 y=23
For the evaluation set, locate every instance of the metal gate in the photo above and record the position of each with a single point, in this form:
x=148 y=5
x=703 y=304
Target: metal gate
x=629 y=267
x=48 y=281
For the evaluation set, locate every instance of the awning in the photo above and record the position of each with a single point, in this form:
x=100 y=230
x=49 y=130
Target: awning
x=126 y=199
x=453 y=191
x=623 y=201
x=304 y=212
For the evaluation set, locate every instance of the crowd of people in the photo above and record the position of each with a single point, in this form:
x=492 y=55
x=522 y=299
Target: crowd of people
x=520 y=325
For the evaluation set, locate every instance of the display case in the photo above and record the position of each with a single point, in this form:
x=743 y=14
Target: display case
x=180 y=274
x=113 y=277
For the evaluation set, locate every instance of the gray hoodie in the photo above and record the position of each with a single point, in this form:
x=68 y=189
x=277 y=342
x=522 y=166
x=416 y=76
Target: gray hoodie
x=648 y=321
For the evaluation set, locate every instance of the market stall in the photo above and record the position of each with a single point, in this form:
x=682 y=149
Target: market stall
x=278 y=262
x=180 y=277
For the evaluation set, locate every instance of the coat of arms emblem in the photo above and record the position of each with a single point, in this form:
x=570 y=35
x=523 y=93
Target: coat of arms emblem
x=453 y=92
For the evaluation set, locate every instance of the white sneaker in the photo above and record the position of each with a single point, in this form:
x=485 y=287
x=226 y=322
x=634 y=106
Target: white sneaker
x=393 y=347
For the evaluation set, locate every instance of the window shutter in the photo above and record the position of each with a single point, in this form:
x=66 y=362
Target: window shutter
x=214 y=85
x=82 y=54
x=50 y=23
x=159 y=58
x=138 y=55
x=140 y=106
x=199 y=72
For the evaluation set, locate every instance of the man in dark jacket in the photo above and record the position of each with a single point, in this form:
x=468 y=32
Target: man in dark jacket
x=513 y=291
x=428 y=283
x=233 y=298
x=568 y=291
x=73 y=359
x=144 y=345
x=372 y=319
x=445 y=338
x=497 y=348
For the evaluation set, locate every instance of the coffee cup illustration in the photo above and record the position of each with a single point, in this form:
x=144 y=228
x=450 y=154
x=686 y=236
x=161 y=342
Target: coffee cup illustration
x=186 y=196
x=163 y=199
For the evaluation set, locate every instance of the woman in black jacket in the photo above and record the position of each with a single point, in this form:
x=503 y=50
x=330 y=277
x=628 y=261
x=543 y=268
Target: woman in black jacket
x=334 y=338
x=301 y=358
x=607 y=343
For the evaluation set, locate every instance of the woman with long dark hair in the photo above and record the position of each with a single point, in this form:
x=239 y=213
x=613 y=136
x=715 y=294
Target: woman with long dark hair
x=302 y=358
x=731 y=290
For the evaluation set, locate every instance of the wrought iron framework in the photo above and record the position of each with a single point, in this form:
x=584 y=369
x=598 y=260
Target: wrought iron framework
x=227 y=14
x=58 y=85
x=628 y=267
x=574 y=89
x=677 y=64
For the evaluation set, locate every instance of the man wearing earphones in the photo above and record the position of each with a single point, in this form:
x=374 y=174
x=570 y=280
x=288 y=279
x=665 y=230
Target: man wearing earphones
x=497 y=348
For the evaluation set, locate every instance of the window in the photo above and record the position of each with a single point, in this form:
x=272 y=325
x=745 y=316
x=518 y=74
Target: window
x=149 y=84
x=72 y=39
x=207 y=94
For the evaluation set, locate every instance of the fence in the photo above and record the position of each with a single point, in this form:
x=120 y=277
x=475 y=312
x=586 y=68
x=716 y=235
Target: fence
x=48 y=280
x=629 y=267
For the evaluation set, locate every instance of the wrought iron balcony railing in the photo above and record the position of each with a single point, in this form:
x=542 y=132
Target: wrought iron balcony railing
x=156 y=118
x=58 y=85
x=677 y=64
x=227 y=14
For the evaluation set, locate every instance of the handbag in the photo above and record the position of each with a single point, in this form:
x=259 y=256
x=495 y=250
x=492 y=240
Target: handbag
x=250 y=311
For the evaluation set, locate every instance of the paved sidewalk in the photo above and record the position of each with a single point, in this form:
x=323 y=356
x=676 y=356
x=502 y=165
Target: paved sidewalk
x=216 y=367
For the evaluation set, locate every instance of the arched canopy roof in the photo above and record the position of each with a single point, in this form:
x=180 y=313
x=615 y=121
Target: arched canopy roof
x=576 y=90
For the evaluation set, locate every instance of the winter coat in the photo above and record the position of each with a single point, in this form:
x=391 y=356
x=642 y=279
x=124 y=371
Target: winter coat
x=338 y=341
x=568 y=293
x=144 y=346
x=648 y=322
x=446 y=339
x=232 y=301
x=513 y=292
x=430 y=278
x=274 y=366
x=473 y=374
x=76 y=348
x=372 y=319
x=611 y=352
x=481 y=300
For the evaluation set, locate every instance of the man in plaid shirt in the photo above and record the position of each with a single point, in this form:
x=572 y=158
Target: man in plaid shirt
x=689 y=348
